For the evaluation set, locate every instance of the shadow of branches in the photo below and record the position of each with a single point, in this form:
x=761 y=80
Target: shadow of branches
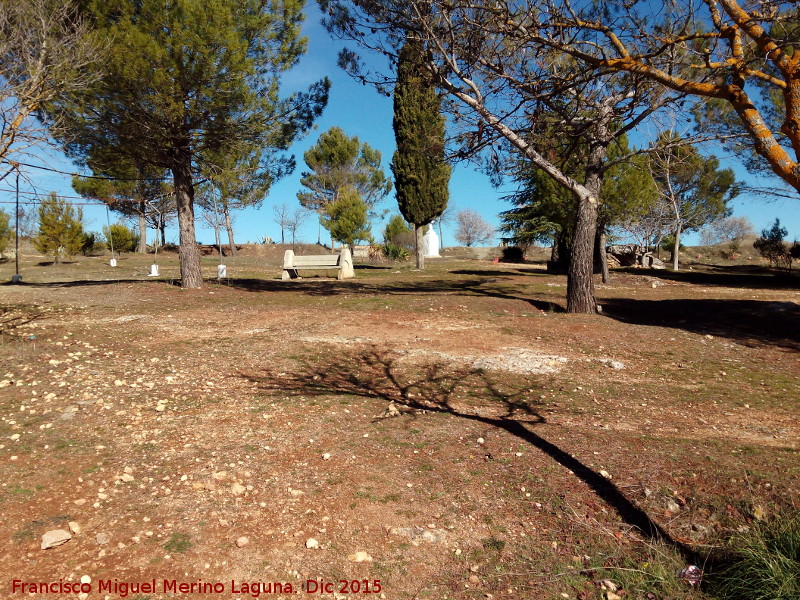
x=465 y=392
x=745 y=321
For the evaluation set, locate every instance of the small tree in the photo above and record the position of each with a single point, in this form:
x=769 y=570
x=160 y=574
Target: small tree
x=472 y=229
x=336 y=162
x=770 y=245
x=6 y=232
x=295 y=221
x=398 y=232
x=120 y=238
x=346 y=217
x=281 y=217
x=732 y=230
x=60 y=228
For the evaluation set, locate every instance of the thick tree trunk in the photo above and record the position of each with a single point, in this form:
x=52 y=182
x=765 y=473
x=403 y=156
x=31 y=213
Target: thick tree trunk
x=419 y=247
x=142 y=228
x=580 y=283
x=676 y=249
x=229 y=227
x=191 y=275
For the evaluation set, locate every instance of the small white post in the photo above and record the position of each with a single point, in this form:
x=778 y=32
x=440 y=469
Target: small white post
x=222 y=271
x=153 y=270
x=113 y=262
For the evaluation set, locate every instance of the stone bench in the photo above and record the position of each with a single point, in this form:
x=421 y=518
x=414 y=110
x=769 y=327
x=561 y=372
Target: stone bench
x=342 y=262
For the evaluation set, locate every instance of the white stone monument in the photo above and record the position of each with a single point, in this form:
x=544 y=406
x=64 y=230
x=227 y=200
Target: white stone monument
x=430 y=244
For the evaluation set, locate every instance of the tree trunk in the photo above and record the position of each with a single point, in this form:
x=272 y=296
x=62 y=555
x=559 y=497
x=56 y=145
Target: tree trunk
x=676 y=249
x=142 y=228
x=229 y=227
x=580 y=283
x=419 y=247
x=191 y=275
x=217 y=241
x=601 y=258
x=441 y=237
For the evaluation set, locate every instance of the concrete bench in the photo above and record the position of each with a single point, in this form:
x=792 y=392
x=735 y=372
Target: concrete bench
x=342 y=262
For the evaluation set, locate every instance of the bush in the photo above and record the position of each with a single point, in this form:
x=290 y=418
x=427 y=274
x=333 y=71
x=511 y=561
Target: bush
x=60 y=228
x=120 y=238
x=770 y=245
x=512 y=254
x=92 y=245
x=766 y=564
x=395 y=252
x=6 y=232
x=398 y=232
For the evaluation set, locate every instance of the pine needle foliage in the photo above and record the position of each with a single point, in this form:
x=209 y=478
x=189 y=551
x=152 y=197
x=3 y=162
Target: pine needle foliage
x=60 y=228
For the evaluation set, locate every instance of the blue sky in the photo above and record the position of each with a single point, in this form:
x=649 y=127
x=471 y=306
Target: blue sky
x=360 y=111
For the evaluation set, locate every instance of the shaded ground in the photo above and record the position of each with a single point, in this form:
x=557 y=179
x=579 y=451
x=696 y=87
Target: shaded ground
x=453 y=425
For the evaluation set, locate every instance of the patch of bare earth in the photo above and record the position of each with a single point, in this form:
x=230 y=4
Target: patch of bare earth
x=449 y=438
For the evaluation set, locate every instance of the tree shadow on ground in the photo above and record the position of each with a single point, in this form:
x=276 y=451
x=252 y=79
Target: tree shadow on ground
x=83 y=283
x=749 y=322
x=734 y=276
x=439 y=387
x=14 y=317
x=432 y=287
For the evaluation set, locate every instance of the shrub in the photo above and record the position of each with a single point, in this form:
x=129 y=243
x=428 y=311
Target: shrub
x=120 y=238
x=6 y=232
x=395 y=228
x=770 y=245
x=512 y=254
x=766 y=564
x=92 y=245
x=395 y=252
x=60 y=228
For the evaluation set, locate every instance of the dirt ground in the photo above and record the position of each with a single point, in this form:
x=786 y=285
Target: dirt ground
x=450 y=433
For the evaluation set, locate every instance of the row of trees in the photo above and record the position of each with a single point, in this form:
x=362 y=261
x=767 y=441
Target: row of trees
x=528 y=81
x=649 y=197
x=138 y=92
x=60 y=231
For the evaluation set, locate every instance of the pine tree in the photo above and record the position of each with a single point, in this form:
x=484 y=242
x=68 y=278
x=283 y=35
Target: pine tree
x=346 y=217
x=186 y=80
x=60 y=228
x=338 y=161
x=420 y=171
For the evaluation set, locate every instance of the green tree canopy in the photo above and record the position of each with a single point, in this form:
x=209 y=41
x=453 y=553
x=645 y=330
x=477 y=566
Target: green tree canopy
x=6 y=232
x=60 y=228
x=693 y=186
x=336 y=162
x=421 y=174
x=396 y=228
x=187 y=79
x=346 y=217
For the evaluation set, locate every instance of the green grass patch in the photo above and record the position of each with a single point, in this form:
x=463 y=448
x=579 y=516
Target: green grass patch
x=179 y=543
x=765 y=564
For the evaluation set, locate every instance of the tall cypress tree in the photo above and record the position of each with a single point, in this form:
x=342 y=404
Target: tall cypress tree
x=420 y=171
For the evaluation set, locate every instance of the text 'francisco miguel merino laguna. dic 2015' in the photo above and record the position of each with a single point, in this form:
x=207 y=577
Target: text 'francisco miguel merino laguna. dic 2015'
x=254 y=589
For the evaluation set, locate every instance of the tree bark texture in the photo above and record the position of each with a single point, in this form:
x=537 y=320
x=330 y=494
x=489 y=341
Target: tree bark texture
x=676 y=249
x=142 y=228
x=191 y=275
x=600 y=256
x=229 y=227
x=419 y=246
x=580 y=283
